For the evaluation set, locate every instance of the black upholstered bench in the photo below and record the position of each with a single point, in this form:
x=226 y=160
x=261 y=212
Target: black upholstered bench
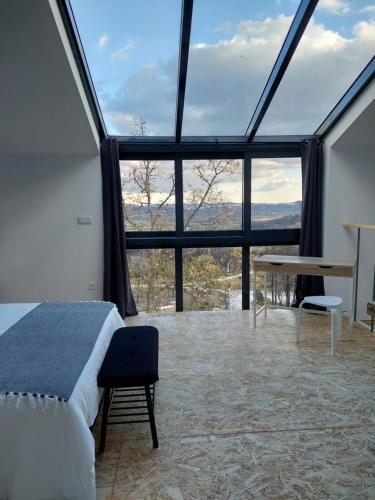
x=128 y=375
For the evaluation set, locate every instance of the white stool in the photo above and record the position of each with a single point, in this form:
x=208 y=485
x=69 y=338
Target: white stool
x=334 y=305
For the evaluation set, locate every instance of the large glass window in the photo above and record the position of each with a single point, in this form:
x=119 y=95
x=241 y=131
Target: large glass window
x=212 y=194
x=212 y=278
x=148 y=190
x=336 y=46
x=208 y=277
x=132 y=51
x=276 y=193
x=233 y=48
x=152 y=279
x=280 y=287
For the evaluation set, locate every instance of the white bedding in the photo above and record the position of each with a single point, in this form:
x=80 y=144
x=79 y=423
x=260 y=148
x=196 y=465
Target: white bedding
x=49 y=452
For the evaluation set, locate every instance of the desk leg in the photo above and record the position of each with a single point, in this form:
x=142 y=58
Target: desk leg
x=254 y=299
x=265 y=293
x=354 y=298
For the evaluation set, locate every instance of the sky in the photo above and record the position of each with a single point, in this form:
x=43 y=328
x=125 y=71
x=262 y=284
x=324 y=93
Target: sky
x=274 y=180
x=132 y=51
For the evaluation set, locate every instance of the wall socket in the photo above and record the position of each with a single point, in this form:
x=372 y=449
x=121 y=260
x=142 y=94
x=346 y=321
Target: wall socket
x=91 y=285
x=84 y=220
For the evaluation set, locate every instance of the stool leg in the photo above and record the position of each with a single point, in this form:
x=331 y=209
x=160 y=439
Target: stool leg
x=299 y=317
x=339 y=322
x=103 y=430
x=334 y=330
x=151 y=417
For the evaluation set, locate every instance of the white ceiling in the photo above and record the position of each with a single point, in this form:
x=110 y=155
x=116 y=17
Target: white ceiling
x=43 y=109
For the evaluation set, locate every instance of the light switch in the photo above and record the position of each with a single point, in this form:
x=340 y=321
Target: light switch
x=85 y=220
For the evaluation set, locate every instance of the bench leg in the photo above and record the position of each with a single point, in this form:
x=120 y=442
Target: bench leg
x=151 y=416
x=103 y=430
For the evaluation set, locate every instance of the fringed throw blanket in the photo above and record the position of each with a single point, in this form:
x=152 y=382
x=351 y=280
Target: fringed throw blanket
x=45 y=352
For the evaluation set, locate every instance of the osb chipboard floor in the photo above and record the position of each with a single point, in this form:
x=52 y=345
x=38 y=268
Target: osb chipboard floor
x=244 y=413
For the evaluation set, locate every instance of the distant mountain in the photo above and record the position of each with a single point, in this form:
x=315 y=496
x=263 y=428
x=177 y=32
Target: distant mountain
x=222 y=216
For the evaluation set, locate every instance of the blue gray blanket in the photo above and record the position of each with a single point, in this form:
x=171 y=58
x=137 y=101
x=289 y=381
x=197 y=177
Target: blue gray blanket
x=46 y=351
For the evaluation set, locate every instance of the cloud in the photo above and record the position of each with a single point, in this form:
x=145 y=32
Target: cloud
x=336 y=7
x=149 y=93
x=225 y=81
x=102 y=42
x=276 y=180
x=124 y=51
x=369 y=9
x=324 y=66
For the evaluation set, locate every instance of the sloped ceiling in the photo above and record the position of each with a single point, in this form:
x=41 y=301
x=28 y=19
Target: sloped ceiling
x=43 y=109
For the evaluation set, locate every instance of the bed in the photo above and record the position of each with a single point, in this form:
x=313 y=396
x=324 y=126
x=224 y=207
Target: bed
x=48 y=451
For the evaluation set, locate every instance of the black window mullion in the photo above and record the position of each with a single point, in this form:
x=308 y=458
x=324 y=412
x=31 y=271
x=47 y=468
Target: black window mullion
x=246 y=277
x=246 y=224
x=179 y=279
x=179 y=192
x=179 y=205
x=247 y=195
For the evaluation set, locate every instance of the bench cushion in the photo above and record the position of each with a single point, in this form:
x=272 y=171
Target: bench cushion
x=132 y=358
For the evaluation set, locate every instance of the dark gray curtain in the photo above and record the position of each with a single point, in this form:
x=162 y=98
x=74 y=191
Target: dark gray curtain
x=116 y=274
x=310 y=244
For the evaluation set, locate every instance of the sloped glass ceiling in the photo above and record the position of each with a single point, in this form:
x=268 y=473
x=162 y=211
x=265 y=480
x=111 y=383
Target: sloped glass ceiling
x=338 y=43
x=132 y=49
x=233 y=47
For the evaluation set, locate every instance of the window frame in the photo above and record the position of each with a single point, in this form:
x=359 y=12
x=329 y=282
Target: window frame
x=244 y=238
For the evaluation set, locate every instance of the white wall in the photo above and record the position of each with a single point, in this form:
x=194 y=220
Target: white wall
x=44 y=253
x=349 y=195
x=49 y=163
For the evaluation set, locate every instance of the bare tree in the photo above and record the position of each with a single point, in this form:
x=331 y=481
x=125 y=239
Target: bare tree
x=145 y=177
x=209 y=174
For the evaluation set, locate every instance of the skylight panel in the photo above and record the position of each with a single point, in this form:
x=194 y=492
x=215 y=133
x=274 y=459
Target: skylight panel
x=132 y=52
x=233 y=47
x=336 y=46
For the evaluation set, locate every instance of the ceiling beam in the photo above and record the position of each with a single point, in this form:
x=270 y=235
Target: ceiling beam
x=209 y=139
x=296 y=30
x=186 y=17
x=347 y=99
x=83 y=69
x=200 y=150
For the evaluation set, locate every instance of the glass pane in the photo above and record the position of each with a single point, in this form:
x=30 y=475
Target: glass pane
x=276 y=193
x=148 y=191
x=212 y=194
x=212 y=278
x=280 y=287
x=233 y=48
x=336 y=46
x=132 y=53
x=152 y=279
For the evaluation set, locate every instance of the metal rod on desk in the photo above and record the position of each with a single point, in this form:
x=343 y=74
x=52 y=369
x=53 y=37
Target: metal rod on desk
x=357 y=273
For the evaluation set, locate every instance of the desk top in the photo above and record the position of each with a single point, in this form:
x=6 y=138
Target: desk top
x=295 y=259
x=359 y=226
x=304 y=265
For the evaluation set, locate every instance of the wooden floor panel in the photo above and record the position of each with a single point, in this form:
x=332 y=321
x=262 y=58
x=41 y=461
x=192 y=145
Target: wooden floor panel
x=244 y=413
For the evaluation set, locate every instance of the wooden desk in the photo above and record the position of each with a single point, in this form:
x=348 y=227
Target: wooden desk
x=316 y=266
